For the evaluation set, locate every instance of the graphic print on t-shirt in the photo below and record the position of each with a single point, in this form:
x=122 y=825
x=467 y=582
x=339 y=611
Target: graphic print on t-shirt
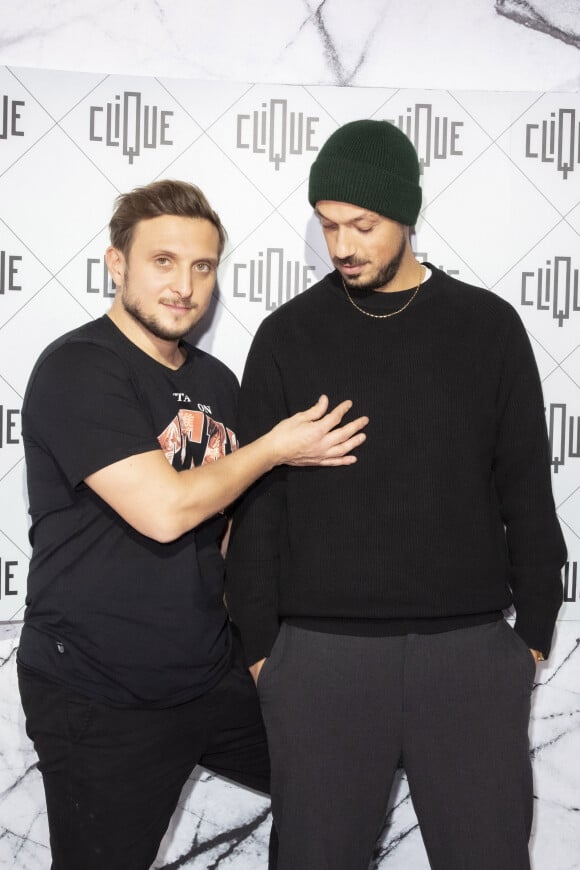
x=188 y=429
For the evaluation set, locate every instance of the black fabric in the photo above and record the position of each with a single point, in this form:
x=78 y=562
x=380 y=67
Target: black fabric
x=113 y=776
x=112 y=613
x=342 y=712
x=448 y=512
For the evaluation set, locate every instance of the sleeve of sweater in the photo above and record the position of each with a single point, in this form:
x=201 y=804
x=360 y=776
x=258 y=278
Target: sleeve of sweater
x=522 y=476
x=253 y=558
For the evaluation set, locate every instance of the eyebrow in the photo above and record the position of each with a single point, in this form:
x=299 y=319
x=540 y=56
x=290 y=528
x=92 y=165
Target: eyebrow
x=366 y=216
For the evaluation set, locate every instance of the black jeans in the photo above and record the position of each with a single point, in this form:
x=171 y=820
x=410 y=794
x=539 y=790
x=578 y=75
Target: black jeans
x=112 y=777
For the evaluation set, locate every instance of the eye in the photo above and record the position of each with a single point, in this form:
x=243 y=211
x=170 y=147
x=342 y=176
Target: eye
x=202 y=267
x=162 y=261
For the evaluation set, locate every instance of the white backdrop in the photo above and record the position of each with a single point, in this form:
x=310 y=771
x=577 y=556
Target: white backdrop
x=501 y=209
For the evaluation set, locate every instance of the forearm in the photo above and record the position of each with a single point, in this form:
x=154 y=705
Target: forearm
x=253 y=561
x=202 y=492
x=522 y=474
x=537 y=599
x=309 y=437
x=537 y=552
x=253 y=607
x=253 y=564
x=164 y=504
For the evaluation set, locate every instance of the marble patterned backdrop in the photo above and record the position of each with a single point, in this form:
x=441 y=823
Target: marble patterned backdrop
x=367 y=43
x=485 y=46
x=217 y=826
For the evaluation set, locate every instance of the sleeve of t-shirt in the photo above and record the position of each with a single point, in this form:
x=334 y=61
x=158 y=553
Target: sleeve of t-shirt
x=84 y=408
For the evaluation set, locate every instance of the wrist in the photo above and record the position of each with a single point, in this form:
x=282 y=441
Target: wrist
x=271 y=450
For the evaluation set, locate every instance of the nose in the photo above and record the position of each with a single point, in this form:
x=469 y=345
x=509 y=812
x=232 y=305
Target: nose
x=183 y=283
x=344 y=245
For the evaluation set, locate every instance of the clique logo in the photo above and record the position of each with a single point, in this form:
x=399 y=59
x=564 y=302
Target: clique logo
x=571 y=588
x=276 y=131
x=555 y=140
x=99 y=280
x=553 y=288
x=7 y=577
x=130 y=124
x=10 y=432
x=9 y=268
x=564 y=435
x=270 y=279
x=10 y=117
x=436 y=137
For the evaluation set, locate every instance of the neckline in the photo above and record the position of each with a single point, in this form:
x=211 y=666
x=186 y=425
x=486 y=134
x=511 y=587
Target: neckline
x=142 y=354
x=383 y=303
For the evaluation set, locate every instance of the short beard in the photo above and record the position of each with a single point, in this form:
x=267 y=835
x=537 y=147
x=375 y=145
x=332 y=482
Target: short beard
x=150 y=322
x=385 y=274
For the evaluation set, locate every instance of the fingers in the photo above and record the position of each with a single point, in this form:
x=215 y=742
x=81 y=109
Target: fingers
x=331 y=420
x=339 y=443
x=335 y=463
x=339 y=454
x=255 y=669
x=334 y=417
x=329 y=452
x=321 y=438
x=317 y=411
x=338 y=436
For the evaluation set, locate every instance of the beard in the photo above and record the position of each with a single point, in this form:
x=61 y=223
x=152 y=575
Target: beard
x=384 y=275
x=151 y=323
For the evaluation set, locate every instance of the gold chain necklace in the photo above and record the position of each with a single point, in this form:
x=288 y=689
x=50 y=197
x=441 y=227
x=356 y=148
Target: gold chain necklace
x=390 y=313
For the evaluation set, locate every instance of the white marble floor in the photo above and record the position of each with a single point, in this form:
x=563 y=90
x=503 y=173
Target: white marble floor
x=218 y=825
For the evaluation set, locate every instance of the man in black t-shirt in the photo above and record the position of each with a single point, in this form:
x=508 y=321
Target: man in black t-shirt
x=129 y=673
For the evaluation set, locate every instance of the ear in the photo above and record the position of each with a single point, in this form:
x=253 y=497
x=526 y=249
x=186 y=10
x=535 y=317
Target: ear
x=116 y=265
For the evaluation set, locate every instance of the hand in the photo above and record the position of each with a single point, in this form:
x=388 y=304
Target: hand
x=311 y=437
x=537 y=655
x=255 y=670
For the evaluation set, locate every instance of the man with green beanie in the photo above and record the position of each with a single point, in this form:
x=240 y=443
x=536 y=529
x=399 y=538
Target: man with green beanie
x=371 y=600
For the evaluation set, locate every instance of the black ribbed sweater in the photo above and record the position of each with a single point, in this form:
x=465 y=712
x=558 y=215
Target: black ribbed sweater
x=448 y=515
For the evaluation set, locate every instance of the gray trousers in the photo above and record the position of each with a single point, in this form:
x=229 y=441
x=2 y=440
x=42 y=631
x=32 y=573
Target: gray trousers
x=340 y=713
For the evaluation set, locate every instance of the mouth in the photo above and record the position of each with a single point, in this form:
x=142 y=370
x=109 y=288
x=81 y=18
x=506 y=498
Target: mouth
x=180 y=307
x=350 y=270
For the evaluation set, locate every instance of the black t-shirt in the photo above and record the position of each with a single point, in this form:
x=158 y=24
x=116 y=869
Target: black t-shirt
x=110 y=612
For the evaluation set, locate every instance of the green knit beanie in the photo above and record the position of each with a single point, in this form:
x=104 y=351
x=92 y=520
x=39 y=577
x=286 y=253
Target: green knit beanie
x=371 y=164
